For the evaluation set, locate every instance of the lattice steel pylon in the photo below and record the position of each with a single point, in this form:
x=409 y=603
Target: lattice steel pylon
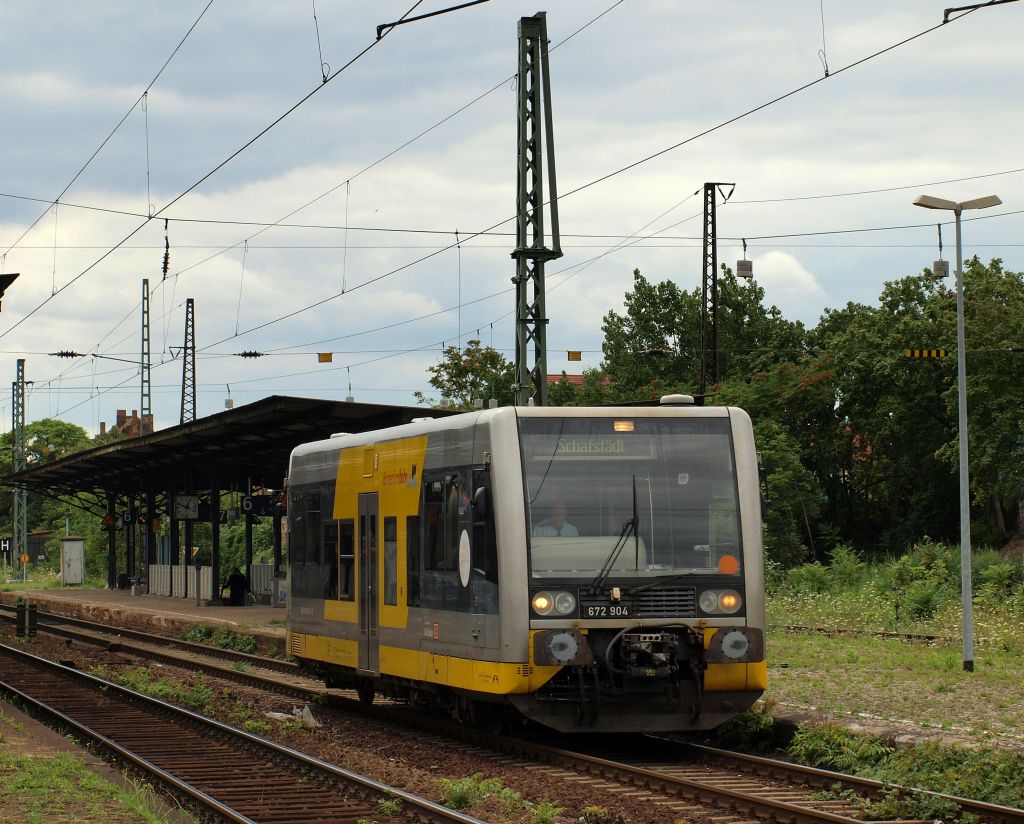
x=146 y=391
x=188 y=365
x=19 y=515
x=534 y=97
x=709 y=290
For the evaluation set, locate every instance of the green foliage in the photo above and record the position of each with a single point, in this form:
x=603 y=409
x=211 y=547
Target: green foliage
x=63 y=788
x=846 y=568
x=195 y=693
x=809 y=578
x=600 y=815
x=751 y=731
x=836 y=748
x=995 y=776
x=463 y=793
x=545 y=812
x=389 y=806
x=198 y=634
x=475 y=372
x=226 y=638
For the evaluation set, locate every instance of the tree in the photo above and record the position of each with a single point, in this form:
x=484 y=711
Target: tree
x=476 y=372
x=654 y=347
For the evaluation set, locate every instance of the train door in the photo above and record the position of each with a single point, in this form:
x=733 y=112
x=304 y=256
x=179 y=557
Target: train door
x=369 y=639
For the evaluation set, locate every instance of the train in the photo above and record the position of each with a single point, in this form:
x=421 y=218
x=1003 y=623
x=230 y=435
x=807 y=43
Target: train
x=590 y=569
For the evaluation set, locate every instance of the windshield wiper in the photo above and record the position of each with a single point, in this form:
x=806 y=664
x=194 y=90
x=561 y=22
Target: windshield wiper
x=630 y=526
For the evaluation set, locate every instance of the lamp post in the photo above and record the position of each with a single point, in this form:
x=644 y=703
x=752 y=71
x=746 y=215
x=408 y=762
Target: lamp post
x=929 y=202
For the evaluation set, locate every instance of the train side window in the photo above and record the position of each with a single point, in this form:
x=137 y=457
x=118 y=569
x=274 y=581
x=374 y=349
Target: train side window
x=305 y=545
x=412 y=558
x=346 y=559
x=485 y=550
x=433 y=527
x=391 y=561
x=330 y=564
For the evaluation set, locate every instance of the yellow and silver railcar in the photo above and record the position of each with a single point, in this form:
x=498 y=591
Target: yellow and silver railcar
x=587 y=568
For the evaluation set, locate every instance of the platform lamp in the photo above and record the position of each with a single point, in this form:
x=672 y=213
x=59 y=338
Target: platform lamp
x=929 y=202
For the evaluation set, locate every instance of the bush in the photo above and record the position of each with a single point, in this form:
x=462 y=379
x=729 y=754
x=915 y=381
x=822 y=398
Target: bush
x=846 y=569
x=809 y=578
x=462 y=793
x=922 y=599
x=753 y=730
x=836 y=748
x=999 y=579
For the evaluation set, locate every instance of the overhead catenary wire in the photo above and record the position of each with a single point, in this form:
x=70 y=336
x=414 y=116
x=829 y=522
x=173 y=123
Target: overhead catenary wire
x=676 y=145
x=200 y=181
x=607 y=176
x=388 y=155
x=105 y=140
x=280 y=224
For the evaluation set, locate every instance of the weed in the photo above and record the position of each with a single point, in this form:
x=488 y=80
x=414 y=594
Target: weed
x=753 y=730
x=199 y=634
x=389 y=806
x=545 y=812
x=257 y=727
x=512 y=799
x=226 y=638
x=599 y=815
x=836 y=748
x=240 y=666
x=463 y=793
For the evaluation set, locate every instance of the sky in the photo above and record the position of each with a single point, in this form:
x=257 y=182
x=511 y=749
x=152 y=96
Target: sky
x=385 y=174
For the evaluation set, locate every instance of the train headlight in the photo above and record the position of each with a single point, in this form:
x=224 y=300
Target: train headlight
x=553 y=602
x=543 y=603
x=565 y=603
x=708 y=601
x=720 y=601
x=729 y=601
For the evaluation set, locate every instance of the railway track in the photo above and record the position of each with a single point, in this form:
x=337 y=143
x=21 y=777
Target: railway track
x=826 y=779
x=258 y=671
x=910 y=637
x=225 y=772
x=674 y=773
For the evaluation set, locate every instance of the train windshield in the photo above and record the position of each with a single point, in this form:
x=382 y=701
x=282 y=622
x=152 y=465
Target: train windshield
x=627 y=498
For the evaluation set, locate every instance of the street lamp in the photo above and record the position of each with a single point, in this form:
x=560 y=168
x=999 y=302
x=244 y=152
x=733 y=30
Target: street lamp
x=929 y=202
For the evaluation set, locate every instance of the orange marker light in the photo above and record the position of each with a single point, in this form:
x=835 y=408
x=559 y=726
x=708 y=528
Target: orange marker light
x=729 y=564
x=623 y=426
x=729 y=601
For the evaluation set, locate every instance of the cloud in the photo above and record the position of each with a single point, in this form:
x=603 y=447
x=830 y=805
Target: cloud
x=789 y=285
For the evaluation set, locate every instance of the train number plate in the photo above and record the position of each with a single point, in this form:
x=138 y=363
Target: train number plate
x=606 y=611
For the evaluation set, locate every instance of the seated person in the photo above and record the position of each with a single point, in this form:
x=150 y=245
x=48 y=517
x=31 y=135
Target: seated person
x=555 y=524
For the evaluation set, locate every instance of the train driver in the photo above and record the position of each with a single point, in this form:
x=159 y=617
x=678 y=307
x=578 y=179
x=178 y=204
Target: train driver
x=555 y=524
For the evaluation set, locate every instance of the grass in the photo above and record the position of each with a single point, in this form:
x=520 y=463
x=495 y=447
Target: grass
x=996 y=776
x=62 y=787
x=193 y=693
x=475 y=791
x=889 y=679
x=43 y=579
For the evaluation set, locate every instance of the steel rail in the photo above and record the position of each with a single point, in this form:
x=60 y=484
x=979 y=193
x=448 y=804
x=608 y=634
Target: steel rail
x=984 y=809
x=163 y=640
x=114 y=643
x=742 y=802
x=422 y=808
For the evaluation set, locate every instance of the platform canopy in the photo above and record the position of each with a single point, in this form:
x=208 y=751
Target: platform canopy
x=240 y=448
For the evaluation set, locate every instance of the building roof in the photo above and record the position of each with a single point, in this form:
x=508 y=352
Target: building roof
x=241 y=448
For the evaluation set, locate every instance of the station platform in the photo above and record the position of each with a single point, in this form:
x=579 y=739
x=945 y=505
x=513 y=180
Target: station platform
x=155 y=613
